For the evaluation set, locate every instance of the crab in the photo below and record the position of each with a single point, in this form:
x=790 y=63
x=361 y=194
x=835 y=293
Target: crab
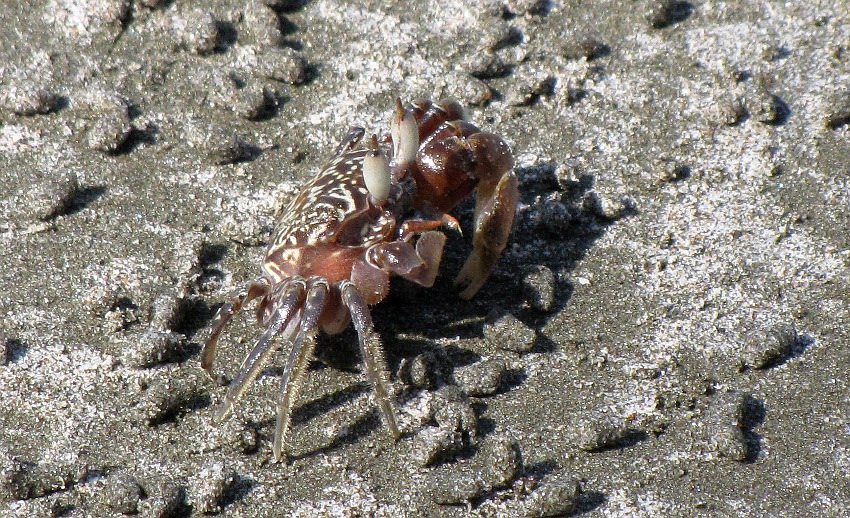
x=368 y=215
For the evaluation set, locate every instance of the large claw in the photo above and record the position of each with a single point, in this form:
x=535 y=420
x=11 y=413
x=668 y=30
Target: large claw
x=495 y=206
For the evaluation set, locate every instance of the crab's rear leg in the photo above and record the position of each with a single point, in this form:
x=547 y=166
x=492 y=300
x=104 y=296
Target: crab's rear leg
x=258 y=288
x=283 y=320
x=495 y=205
x=373 y=354
x=297 y=360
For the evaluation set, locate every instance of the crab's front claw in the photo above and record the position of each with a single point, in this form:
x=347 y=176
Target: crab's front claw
x=495 y=206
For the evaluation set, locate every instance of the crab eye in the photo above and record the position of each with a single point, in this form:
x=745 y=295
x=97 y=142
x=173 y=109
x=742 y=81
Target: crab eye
x=376 y=173
x=405 y=134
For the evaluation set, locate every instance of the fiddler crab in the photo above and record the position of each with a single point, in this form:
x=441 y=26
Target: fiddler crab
x=370 y=214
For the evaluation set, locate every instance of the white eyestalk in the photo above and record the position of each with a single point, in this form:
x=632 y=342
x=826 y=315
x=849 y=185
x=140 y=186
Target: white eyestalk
x=376 y=173
x=405 y=134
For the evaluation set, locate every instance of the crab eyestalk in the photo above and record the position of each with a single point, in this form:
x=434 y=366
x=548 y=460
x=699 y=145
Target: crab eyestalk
x=376 y=173
x=405 y=134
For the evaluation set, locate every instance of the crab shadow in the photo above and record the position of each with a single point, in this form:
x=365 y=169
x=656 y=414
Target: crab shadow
x=559 y=221
x=360 y=426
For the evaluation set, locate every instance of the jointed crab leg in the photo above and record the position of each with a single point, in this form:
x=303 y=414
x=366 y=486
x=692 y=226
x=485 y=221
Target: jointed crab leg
x=495 y=205
x=494 y=215
x=256 y=360
x=258 y=288
x=296 y=363
x=373 y=355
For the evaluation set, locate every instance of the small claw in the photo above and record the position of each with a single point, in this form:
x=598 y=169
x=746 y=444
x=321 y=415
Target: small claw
x=376 y=173
x=451 y=223
x=405 y=134
x=430 y=248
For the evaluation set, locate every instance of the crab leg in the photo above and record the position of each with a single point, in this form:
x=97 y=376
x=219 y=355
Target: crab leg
x=259 y=355
x=296 y=363
x=258 y=288
x=373 y=355
x=495 y=206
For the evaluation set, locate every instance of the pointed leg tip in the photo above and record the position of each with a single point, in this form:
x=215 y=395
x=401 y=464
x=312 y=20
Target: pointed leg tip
x=223 y=412
x=468 y=280
x=468 y=293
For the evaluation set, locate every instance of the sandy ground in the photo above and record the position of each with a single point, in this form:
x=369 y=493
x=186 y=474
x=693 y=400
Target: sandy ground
x=666 y=334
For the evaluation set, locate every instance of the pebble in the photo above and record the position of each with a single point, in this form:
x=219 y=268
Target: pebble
x=284 y=5
x=526 y=88
x=485 y=65
x=483 y=378
x=524 y=7
x=555 y=496
x=24 y=480
x=672 y=171
x=595 y=431
x=538 y=288
x=838 y=110
x=607 y=207
x=765 y=106
x=575 y=47
x=427 y=370
x=727 y=441
x=465 y=89
x=49 y=196
x=154 y=4
x=116 y=493
x=282 y=64
x=664 y=13
x=152 y=347
x=164 y=499
x=29 y=100
x=507 y=332
x=769 y=345
x=5 y=350
x=196 y=31
x=166 y=396
x=500 y=461
x=455 y=488
x=453 y=411
x=433 y=445
x=208 y=486
x=733 y=111
x=236 y=436
x=457 y=426
x=255 y=101
x=166 y=307
x=220 y=146
x=497 y=33
x=261 y=23
x=555 y=218
x=111 y=125
x=724 y=433
x=495 y=466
